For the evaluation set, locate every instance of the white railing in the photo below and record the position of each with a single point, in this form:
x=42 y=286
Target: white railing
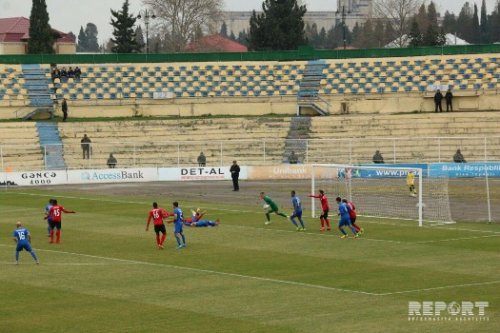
x=254 y=152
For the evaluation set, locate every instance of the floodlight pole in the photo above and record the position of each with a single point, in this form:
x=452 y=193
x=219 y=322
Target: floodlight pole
x=146 y=16
x=344 y=33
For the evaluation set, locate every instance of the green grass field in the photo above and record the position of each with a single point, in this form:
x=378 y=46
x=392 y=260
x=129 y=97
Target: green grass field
x=243 y=276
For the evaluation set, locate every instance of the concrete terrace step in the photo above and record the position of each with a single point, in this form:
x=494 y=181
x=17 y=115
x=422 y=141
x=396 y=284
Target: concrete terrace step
x=51 y=144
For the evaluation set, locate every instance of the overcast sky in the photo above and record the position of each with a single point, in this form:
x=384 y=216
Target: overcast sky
x=69 y=15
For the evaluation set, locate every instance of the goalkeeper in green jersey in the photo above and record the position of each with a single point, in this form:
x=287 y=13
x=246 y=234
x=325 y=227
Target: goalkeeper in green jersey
x=271 y=207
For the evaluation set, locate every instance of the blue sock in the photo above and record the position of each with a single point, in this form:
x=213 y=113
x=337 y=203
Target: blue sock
x=301 y=223
x=342 y=231
x=183 y=239
x=178 y=240
x=354 y=232
x=33 y=254
x=17 y=255
x=293 y=221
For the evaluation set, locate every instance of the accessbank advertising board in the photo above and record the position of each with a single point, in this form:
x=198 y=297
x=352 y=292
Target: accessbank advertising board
x=112 y=176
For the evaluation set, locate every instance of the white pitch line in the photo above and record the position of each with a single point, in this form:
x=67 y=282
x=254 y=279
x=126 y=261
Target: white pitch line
x=433 y=227
x=455 y=239
x=324 y=234
x=64 y=263
x=439 y=288
x=257 y=278
x=199 y=270
x=122 y=202
x=496 y=233
x=247 y=211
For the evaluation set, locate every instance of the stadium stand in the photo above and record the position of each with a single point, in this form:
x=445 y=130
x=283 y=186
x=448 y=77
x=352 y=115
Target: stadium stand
x=12 y=89
x=142 y=81
x=177 y=142
x=404 y=138
x=414 y=74
x=352 y=78
x=355 y=79
x=20 y=147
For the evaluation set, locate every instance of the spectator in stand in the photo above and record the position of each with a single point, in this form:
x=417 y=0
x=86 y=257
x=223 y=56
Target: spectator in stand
x=86 y=148
x=458 y=157
x=438 y=97
x=112 y=161
x=64 y=73
x=202 y=160
x=449 y=100
x=71 y=73
x=56 y=73
x=378 y=158
x=78 y=73
x=293 y=158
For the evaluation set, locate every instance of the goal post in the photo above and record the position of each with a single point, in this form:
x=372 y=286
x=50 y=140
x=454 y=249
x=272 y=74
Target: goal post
x=382 y=191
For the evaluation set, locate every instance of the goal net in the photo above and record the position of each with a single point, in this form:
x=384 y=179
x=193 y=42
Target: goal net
x=379 y=191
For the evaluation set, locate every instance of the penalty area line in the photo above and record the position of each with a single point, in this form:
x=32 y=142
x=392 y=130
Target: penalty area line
x=455 y=239
x=124 y=202
x=440 y=288
x=270 y=280
x=66 y=263
x=207 y=271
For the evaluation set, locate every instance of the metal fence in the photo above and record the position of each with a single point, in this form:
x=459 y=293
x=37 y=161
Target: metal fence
x=253 y=152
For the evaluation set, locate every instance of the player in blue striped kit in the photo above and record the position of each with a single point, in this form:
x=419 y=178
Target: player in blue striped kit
x=178 y=222
x=22 y=238
x=49 y=220
x=297 y=212
x=345 y=219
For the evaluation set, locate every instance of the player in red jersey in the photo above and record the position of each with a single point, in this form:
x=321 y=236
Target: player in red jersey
x=325 y=222
x=54 y=217
x=158 y=214
x=353 y=215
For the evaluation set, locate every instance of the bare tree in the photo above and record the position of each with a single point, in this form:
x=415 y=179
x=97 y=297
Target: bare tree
x=398 y=14
x=178 y=20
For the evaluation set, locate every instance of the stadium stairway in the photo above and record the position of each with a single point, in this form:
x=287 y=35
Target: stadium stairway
x=51 y=144
x=309 y=86
x=296 y=139
x=38 y=92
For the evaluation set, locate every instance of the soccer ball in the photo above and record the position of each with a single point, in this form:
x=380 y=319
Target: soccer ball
x=266 y=206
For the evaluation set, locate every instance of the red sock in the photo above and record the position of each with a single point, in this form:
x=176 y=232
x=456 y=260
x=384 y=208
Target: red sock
x=52 y=236
x=158 y=240
x=322 y=223
x=58 y=236
x=327 y=223
x=163 y=239
x=356 y=227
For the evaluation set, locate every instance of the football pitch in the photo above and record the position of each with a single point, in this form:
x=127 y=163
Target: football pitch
x=243 y=276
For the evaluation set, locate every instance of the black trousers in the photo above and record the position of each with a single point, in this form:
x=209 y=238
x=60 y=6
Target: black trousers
x=449 y=106
x=236 y=186
x=439 y=106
